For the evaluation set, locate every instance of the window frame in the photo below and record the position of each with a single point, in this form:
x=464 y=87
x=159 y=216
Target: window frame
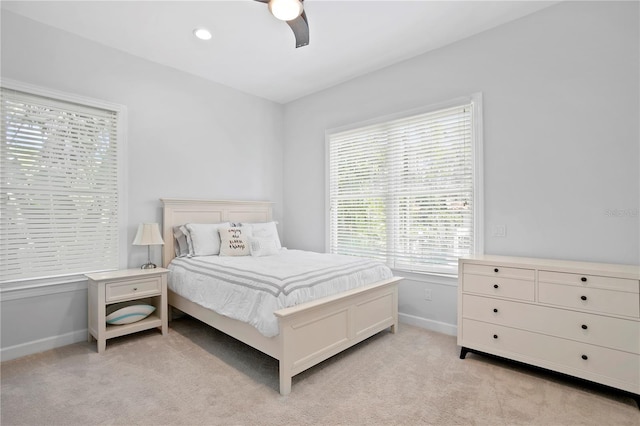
x=475 y=100
x=121 y=138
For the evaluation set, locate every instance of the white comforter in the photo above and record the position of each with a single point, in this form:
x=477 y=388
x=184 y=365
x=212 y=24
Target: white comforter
x=250 y=289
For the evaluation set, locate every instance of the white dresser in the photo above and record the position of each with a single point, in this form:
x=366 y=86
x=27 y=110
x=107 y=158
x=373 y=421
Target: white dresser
x=577 y=318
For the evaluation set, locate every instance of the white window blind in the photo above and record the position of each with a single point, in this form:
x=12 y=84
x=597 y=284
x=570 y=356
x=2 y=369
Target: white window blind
x=59 y=187
x=402 y=190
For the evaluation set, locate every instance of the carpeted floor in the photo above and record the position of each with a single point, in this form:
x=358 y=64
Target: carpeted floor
x=198 y=376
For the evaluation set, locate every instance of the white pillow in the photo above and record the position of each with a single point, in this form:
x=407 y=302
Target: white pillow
x=130 y=314
x=263 y=246
x=234 y=240
x=204 y=238
x=265 y=230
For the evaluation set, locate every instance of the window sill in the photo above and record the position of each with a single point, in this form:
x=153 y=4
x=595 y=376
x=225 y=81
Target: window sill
x=12 y=290
x=433 y=277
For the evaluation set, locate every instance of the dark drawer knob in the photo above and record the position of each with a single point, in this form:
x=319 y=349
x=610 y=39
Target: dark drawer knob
x=583 y=279
x=584 y=326
x=135 y=289
x=585 y=357
x=496 y=286
x=583 y=297
x=495 y=336
x=495 y=269
x=495 y=310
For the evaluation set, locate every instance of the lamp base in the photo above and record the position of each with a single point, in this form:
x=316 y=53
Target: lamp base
x=148 y=266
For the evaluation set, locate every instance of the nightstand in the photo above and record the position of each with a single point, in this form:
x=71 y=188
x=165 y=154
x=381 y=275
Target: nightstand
x=107 y=288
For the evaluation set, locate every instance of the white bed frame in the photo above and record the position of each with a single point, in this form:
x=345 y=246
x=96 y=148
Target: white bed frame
x=310 y=332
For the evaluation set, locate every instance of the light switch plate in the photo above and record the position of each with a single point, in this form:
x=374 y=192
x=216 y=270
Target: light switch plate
x=500 y=231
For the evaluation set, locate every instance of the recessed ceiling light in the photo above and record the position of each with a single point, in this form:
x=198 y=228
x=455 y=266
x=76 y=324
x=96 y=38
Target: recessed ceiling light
x=202 y=33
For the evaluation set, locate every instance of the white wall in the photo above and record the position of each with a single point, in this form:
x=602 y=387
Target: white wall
x=187 y=137
x=561 y=138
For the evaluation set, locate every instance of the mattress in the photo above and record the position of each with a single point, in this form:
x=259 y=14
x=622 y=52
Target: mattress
x=251 y=289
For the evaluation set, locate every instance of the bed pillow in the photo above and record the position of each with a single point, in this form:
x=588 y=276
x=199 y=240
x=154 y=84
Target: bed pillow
x=234 y=240
x=181 y=245
x=265 y=230
x=205 y=239
x=262 y=246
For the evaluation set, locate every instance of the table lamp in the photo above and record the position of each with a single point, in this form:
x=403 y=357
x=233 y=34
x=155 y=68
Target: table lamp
x=148 y=235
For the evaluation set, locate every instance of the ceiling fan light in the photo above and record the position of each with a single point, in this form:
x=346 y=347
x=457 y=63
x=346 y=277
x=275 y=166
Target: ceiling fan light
x=285 y=10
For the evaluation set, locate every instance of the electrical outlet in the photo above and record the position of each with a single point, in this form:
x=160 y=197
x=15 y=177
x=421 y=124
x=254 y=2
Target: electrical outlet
x=427 y=294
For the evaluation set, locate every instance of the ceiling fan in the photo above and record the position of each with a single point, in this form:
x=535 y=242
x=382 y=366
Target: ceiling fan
x=291 y=11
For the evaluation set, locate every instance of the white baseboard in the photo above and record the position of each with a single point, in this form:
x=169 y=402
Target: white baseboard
x=29 y=348
x=440 y=327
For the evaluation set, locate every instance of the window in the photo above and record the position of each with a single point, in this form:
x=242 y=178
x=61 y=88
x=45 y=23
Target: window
x=406 y=189
x=61 y=185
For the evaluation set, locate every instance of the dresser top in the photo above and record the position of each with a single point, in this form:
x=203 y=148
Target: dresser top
x=593 y=268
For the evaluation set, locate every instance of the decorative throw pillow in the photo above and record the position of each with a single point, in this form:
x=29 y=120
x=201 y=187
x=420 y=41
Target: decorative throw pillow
x=263 y=246
x=181 y=246
x=234 y=240
x=205 y=238
x=265 y=230
x=130 y=314
x=186 y=233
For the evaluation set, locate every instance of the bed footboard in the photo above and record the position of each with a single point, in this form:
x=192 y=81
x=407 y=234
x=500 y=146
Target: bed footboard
x=313 y=331
x=319 y=330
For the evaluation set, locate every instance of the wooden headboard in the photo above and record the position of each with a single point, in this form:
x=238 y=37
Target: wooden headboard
x=178 y=212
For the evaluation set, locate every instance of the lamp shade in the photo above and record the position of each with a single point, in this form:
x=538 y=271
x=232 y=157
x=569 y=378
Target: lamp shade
x=148 y=235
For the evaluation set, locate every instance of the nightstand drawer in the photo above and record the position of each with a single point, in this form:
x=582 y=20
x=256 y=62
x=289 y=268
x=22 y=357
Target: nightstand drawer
x=133 y=289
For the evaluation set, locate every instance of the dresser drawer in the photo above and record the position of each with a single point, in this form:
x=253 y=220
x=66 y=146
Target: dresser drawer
x=616 y=333
x=601 y=364
x=499 y=287
x=590 y=299
x=590 y=281
x=499 y=271
x=133 y=289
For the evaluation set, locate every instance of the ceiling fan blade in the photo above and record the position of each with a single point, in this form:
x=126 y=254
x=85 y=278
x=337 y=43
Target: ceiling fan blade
x=300 y=28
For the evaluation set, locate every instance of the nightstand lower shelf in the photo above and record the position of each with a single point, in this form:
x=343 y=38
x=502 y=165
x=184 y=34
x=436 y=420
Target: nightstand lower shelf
x=152 y=321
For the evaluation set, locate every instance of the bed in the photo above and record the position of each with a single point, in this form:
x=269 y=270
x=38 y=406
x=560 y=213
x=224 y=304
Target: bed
x=309 y=332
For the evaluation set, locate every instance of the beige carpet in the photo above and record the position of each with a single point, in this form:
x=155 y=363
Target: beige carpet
x=198 y=376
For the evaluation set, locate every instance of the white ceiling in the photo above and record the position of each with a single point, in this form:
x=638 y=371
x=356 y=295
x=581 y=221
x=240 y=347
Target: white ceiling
x=254 y=52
